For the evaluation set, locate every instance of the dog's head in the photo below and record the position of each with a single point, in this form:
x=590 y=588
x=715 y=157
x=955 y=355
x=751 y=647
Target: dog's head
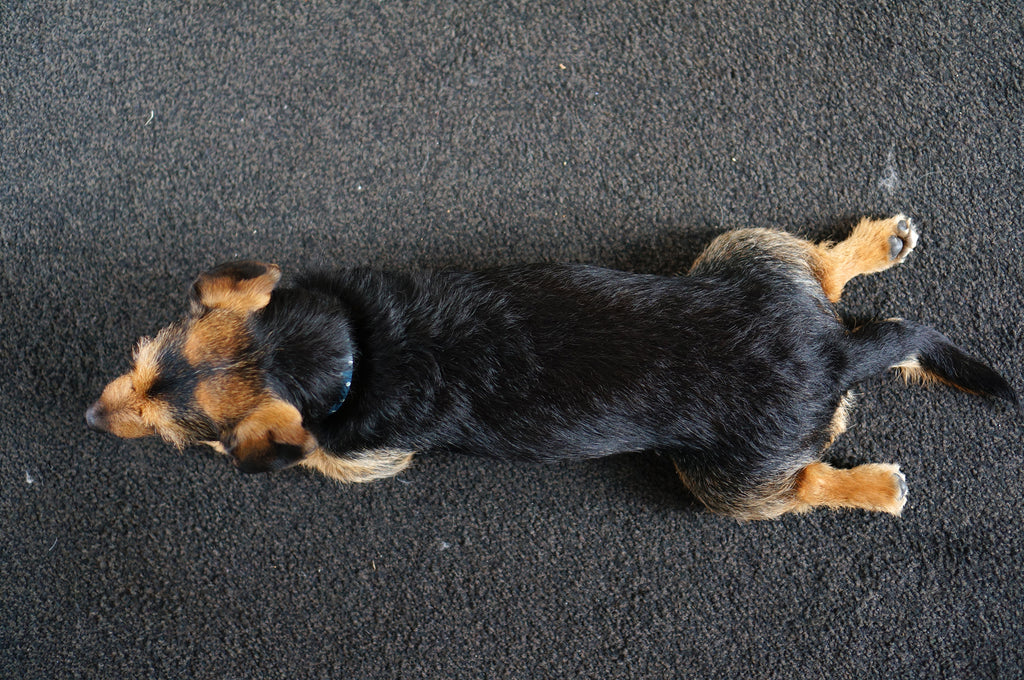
x=203 y=379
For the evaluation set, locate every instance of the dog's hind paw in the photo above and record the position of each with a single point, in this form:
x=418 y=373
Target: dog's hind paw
x=902 y=236
x=873 y=486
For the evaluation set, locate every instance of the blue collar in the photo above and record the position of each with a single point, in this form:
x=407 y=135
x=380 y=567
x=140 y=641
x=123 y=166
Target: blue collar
x=346 y=385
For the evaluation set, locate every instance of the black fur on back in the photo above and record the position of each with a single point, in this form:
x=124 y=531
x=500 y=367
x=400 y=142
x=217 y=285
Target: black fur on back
x=565 y=361
x=735 y=371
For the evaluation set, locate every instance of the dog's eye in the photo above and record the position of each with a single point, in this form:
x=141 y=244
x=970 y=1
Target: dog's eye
x=158 y=387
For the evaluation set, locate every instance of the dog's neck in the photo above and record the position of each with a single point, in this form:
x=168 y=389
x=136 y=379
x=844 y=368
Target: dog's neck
x=309 y=355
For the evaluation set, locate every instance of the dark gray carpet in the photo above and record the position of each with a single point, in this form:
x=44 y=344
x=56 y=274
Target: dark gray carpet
x=143 y=141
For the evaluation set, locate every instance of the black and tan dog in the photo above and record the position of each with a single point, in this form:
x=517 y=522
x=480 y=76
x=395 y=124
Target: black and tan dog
x=739 y=371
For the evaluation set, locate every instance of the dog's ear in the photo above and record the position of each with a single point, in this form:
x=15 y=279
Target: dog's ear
x=242 y=286
x=270 y=438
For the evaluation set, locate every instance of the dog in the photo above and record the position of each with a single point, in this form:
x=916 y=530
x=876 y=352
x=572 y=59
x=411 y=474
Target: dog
x=740 y=371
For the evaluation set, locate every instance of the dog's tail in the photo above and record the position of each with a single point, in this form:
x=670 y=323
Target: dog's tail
x=920 y=353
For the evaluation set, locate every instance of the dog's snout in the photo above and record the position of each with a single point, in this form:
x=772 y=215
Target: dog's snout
x=96 y=417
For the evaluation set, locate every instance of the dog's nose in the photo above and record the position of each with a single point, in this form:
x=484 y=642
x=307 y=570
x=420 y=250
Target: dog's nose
x=95 y=418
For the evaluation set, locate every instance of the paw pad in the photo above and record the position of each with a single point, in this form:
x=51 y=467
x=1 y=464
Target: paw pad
x=904 y=238
x=901 y=484
x=895 y=246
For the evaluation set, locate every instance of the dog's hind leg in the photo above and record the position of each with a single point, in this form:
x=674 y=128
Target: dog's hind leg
x=873 y=486
x=877 y=487
x=873 y=246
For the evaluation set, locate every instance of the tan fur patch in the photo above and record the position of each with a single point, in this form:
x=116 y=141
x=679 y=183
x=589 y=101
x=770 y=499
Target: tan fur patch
x=912 y=371
x=841 y=418
x=366 y=467
x=239 y=295
x=121 y=408
x=870 y=487
x=274 y=420
x=227 y=398
x=146 y=367
x=157 y=413
x=216 y=338
x=216 y=446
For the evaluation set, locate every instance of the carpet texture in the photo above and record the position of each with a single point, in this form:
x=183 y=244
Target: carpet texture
x=142 y=142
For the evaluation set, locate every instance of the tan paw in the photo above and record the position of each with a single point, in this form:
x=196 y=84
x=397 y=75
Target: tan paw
x=902 y=237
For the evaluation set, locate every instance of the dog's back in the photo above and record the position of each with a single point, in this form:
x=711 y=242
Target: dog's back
x=563 y=361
